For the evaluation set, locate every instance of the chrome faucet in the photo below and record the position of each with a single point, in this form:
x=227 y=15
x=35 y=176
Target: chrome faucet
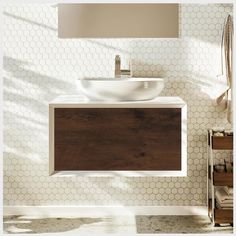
x=117 y=66
x=118 y=71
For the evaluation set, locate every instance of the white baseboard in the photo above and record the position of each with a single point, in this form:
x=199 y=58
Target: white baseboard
x=102 y=211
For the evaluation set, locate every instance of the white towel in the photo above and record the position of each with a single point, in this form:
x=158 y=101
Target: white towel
x=224 y=100
x=229 y=190
x=229 y=207
x=224 y=208
x=222 y=196
x=228 y=203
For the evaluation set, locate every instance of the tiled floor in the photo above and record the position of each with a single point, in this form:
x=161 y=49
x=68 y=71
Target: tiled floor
x=178 y=224
x=114 y=224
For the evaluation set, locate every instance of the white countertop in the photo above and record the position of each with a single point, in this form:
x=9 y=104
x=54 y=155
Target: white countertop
x=82 y=101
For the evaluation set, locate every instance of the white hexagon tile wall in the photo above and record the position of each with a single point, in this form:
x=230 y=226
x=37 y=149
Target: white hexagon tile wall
x=38 y=67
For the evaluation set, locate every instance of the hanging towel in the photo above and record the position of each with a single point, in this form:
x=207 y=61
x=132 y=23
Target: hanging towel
x=225 y=99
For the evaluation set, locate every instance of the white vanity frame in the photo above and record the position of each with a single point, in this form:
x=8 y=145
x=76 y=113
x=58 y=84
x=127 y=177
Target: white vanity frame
x=78 y=101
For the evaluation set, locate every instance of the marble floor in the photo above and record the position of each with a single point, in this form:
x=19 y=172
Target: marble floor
x=115 y=224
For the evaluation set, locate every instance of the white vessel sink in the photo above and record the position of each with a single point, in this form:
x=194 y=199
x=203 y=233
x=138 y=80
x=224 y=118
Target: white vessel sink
x=121 y=89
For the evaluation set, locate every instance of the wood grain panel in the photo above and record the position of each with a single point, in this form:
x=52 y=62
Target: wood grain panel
x=222 y=143
x=117 y=139
x=223 y=179
x=223 y=216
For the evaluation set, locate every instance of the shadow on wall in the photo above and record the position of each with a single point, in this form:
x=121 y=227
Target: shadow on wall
x=26 y=97
x=20 y=224
x=29 y=21
x=97 y=42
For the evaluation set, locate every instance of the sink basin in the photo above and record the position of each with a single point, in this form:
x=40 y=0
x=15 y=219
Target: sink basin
x=121 y=89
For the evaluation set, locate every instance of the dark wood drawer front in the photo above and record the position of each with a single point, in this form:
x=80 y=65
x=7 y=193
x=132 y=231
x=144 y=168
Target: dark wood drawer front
x=223 y=216
x=222 y=143
x=117 y=139
x=223 y=179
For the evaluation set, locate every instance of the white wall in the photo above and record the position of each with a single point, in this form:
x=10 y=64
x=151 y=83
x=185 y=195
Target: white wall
x=38 y=67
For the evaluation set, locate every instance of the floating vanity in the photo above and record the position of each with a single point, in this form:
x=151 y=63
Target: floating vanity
x=98 y=138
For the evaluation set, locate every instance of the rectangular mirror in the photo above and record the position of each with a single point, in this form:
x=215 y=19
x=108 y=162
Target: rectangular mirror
x=118 y=20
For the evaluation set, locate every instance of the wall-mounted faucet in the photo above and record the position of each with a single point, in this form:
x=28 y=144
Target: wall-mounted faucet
x=118 y=71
